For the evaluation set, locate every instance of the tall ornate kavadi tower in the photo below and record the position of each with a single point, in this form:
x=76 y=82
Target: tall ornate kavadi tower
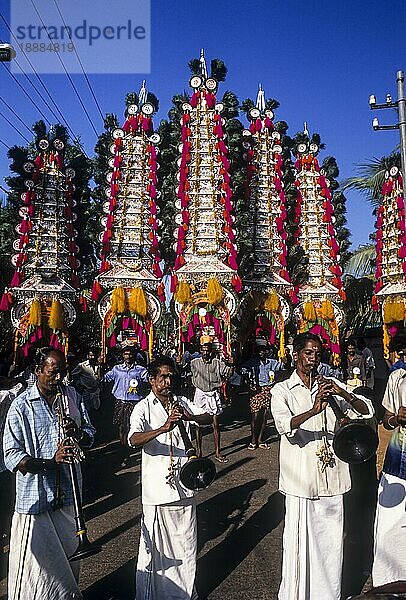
x=205 y=271
x=128 y=288
x=267 y=283
x=320 y=299
x=390 y=290
x=45 y=287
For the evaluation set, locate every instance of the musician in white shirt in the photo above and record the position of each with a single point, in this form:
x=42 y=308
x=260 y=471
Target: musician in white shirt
x=312 y=477
x=168 y=545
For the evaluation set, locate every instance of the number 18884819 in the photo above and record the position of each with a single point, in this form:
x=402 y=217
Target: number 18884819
x=50 y=47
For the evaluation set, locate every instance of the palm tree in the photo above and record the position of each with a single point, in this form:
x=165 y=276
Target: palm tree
x=361 y=263
x=371 y=177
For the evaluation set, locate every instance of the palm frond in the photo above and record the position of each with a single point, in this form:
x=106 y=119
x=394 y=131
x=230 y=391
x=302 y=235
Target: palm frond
x=371 y=177
x=362 y=262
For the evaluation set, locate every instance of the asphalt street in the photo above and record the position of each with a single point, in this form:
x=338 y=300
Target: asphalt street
x=240 y=519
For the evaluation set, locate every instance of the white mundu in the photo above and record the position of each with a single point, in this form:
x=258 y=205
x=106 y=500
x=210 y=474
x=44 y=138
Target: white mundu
x=314 y=519
x=166 y=565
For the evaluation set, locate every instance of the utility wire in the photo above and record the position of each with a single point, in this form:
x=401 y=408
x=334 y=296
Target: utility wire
x=15 y=114
x=66 y=72
x=14 y=127
x=6 y=145
x=28 y=96
x=79 y=61
x=61 y=117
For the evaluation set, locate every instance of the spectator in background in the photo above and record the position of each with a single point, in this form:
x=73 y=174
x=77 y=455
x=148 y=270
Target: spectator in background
x=399 y=347
x=354 y=373
x=325 y=367
x=86 y=380
x=208 y=375
x=259 y=373
x=127 y=379
x=369 y=361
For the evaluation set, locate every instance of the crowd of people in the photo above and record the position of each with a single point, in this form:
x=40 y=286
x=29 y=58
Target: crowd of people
x=151 y=397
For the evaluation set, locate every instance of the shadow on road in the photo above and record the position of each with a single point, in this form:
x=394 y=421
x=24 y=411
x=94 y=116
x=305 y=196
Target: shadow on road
x=114 y=586
x=226 y=511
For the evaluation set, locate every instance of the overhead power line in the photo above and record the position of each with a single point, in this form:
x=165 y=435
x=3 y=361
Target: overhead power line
x=14 y=127
x=6 y=145
x=79 y=61
x=66 y=72
x=11 y=109
x=28 y=96
x=58 y=118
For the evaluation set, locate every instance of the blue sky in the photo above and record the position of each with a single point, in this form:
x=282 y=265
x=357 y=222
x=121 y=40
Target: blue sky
x=320 y=59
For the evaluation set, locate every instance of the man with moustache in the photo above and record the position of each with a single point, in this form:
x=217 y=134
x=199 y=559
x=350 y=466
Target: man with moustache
x=312 y=478
x=167 y=552
x=43 y=527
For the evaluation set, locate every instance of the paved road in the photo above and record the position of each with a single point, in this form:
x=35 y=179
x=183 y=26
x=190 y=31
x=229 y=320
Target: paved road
x=240 y=520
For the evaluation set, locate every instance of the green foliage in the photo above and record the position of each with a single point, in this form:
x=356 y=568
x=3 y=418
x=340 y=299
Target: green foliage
x=246 y=105
x=152 y=99
x=272 y=103
x=361 y=262
x=329 y=165
x=85 y=332
x=131 y=98
x=40 y=129
x=218 y=69
x=371 y=177
x=194 y=66
x=358 y=305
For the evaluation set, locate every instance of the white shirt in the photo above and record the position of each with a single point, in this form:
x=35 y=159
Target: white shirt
x=300 y=468
x=149 y=414
x=395 y=392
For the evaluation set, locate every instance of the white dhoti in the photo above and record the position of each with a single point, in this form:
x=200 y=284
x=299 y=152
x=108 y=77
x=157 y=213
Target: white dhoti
x=166 y=566
x=210 y=402
x=390 y=531
x=312 y=549
x=38 y=565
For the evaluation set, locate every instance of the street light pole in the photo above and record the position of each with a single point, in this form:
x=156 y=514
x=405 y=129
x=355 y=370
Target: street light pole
x=402 y=124
x=400 y=105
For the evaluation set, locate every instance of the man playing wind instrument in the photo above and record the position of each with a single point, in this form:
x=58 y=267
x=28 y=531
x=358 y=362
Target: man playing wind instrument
x=312 y=478
x=35 y=448
x=168 y=544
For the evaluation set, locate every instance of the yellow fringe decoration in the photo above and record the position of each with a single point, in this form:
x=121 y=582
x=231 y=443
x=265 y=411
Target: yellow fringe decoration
x=214 y=291
x=327 y=310
x=385 y=342
x=282 y=353
x=183 y=292
x=151 y=341
x=272 y=302
x=137 y=302
x=35 y=316
x=118 y=301
x=309 y=312
x=393 y=311
x=56 y=320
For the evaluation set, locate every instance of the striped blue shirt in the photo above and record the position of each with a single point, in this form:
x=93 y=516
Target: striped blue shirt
x=32 y=430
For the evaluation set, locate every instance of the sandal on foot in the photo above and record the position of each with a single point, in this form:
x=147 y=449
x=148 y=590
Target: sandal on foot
x=264 y=445
x=221 y=459
x=252 y=446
